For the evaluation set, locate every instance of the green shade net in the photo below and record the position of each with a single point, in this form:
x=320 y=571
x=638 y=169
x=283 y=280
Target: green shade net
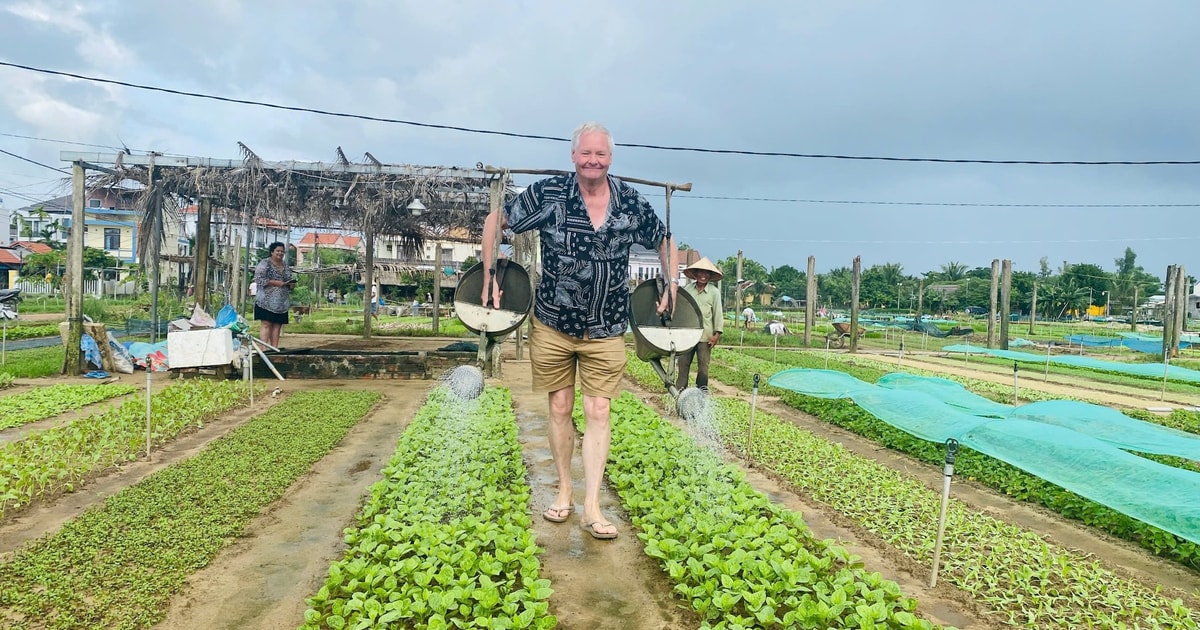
x=1151 y=370
x=948 y=391
x=1077 y=446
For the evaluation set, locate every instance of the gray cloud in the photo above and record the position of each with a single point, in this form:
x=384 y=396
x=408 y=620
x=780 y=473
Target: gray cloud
x=1068 y=80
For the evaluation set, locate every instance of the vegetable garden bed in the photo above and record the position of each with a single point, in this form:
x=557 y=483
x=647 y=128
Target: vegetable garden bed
x=46 y=402
x=58 y=459
x=117 y=565
x=445 y=539
x=737 y=369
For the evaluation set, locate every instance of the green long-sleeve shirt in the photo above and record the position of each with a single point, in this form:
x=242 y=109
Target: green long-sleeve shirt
x=711 y=312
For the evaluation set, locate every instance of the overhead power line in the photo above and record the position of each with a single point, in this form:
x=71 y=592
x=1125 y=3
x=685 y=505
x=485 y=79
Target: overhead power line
x=78 y=144
x=953 y=204
x=510 y=134
x=21 y=157
x=1039 y=241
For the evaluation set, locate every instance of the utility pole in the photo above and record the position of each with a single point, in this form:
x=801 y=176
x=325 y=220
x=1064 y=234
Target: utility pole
x=738 y=291
x=991 y=323
x=855 y=278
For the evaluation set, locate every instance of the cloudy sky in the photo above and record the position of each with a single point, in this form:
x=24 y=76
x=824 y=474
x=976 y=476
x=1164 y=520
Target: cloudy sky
x=1070 y=80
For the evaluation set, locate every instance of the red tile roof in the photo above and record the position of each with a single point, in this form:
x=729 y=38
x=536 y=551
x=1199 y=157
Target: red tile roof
x=328 y=238
x=9 y=257
x=37 y=248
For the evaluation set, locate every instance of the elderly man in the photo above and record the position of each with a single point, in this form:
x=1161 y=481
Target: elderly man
x=587 y=220
x=703 y=272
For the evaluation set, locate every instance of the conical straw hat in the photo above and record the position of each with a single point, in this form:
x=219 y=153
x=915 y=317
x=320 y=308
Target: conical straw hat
x=704 y=264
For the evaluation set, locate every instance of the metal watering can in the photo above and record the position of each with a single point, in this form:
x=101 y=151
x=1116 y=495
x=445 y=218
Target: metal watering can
x=657 y=337
x=490 y=323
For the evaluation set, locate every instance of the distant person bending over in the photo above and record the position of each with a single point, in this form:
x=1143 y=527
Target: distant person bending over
x=274 y=281
x=712 y=317
x=747 y=317
x=588 y=220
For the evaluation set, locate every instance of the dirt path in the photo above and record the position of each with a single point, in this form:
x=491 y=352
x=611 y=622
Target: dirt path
x=261 y=580
x=597 y=584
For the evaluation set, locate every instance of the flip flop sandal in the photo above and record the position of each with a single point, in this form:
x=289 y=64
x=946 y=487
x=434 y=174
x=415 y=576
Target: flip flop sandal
x=558 y=514
x=591 y=529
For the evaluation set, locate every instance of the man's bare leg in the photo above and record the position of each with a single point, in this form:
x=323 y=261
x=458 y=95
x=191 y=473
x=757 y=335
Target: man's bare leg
x=596 y=439
x=562 y=444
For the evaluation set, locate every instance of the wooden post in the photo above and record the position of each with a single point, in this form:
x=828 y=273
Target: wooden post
x=1033 y=309
x=737 y=294
x=203 y=238
x=1169 y=314
x=369 y=281
x=810 y=301
x=920 y=298
x=1133 y=311
x=437 y=287
x=991 y=323
x=1005 y=301
x=855 y=278
x=1181 y=294
x=154 y=245
x=235 y=270
x=73 y=360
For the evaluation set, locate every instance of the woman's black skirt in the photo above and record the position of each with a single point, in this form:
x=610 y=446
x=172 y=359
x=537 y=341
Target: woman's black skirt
x=263 y=315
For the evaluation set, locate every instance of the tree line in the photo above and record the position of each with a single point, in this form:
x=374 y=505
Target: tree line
x=953 y=287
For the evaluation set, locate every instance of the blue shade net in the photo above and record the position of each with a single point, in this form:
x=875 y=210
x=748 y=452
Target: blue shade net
x=1087 y=449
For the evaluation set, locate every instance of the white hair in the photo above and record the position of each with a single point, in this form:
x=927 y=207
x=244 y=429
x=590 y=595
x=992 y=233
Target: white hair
x=590 y=127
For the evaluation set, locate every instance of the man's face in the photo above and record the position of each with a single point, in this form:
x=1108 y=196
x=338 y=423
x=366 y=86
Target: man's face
x=702 y=277
x=592 y=157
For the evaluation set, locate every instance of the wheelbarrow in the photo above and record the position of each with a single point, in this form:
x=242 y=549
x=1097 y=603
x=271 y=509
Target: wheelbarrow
x=841 y=330
x=657 y=337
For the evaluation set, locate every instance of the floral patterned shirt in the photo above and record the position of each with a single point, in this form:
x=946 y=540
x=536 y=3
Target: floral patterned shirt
x=274 y=299
x=585 y=272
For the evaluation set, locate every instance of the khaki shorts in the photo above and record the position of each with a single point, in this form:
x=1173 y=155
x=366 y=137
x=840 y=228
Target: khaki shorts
x=554 y=356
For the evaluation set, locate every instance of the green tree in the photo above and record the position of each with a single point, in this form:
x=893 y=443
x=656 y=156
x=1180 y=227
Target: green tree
x=952 y=271
x=789 y=281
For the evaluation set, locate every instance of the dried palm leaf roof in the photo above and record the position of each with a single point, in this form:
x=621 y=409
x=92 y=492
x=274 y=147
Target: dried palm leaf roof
x=370 y=197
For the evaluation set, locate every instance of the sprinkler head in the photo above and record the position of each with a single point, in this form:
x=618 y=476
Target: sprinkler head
x=466 y=381
x=691 y=403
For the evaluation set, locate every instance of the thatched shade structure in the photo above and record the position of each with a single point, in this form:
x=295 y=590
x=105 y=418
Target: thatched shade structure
x=370 y=197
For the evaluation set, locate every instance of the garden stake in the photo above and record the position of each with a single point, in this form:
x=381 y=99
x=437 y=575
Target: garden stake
x=1166 y=364
x=1014 y=383
x=750 y=433
x=1047 y=361
x=4 y=344
x=250 y=376
x=775 y=357
x=827 y=353
x=947 y=473
x=149 y=371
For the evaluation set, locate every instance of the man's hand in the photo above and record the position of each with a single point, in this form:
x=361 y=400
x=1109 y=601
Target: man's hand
x=712 y=341
x=663 y=303
x=496 y=292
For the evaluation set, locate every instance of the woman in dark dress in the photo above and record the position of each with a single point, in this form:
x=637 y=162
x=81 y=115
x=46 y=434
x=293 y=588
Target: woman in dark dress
x=275 y=283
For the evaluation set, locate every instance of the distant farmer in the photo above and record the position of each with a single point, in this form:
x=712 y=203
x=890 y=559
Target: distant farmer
x=712 y=316
x=747 y=317
x=775 y=327
x=588 y=220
